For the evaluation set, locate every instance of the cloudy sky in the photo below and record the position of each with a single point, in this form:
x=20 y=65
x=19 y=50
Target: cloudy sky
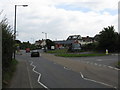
x=60 y=18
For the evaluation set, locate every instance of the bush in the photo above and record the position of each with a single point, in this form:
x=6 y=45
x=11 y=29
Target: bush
x=7 y=44
x=90 y=47
x=108 y=39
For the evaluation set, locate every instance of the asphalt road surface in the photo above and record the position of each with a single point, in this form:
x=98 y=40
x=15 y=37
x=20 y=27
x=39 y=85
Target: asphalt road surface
x=109 y=60
x=49 y=72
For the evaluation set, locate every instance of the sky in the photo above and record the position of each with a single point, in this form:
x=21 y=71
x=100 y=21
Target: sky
x=60 y=18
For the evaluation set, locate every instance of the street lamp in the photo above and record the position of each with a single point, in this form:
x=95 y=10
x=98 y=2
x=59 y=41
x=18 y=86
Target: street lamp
x=15 y=23
x=45 y=35
x=45 y=40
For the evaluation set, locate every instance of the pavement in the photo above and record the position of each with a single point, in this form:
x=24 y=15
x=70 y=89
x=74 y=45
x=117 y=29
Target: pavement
x=20 y=78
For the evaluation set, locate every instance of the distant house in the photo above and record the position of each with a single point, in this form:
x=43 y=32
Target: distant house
x=37 y=43
x=72 y=39
x=87 y=40
x=41 y=43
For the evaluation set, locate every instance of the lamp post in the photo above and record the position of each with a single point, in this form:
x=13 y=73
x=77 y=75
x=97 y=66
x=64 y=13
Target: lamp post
x=45 y=40
x=15 y=23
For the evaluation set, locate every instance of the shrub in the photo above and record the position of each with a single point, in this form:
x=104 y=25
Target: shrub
x=7 y=44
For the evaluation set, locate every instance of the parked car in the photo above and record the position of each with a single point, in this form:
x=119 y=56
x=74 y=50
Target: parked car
x=35 y=53
x=74 y=47
x=27 y=50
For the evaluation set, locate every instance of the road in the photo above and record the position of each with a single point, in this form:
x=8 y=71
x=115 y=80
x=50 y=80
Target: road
x=49 y=71
x=109 y=60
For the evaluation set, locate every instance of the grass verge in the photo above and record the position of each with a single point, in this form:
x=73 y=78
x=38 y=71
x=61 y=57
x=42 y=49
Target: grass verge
x=79 y=55
x=118 y=64
x=8 y=73
x=57 y=51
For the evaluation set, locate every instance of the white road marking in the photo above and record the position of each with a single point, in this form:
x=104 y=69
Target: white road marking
x=116 y=69
x=102 y=65
x=40 y=54
x=97 y=81
x=67 y=68
x=99 y=60
x=113 y=68
x=95 y=64
x=110 y=67
x=39 y=75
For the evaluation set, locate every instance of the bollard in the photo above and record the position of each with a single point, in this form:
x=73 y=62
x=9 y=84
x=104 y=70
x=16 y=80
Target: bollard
x=106 y=52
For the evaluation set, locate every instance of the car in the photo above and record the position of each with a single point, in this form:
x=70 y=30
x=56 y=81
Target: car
x=35 y=53
x=27 y=50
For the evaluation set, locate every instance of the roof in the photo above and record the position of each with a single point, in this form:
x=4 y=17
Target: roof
x=64 y=42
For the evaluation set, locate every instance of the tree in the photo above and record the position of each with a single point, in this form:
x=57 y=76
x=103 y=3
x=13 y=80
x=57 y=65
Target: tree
x=117 y=48
x=7 y=44
x=49 y=43
x=25 y=45
x=107 y=39
x=18 y=41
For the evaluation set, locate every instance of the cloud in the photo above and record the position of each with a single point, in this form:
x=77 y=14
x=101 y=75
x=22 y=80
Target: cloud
x=52 y=17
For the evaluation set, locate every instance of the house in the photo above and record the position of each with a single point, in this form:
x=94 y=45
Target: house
x=72 y=39
x=41 y=43
x=87 y=40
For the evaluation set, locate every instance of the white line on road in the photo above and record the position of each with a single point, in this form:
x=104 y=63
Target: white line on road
x=96 y=81
x=39 y=75
x=40 y=54
x=101 y=65
x=113 y=68
x=95 y=64
x=99 y=59
x=67 y=68
x=110 y=67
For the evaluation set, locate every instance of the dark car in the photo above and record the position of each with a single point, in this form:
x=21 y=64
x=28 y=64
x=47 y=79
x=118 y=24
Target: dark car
x=35 y=53
x=27 y=50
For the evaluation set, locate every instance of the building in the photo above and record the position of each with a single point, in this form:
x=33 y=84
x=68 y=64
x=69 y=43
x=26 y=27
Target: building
x=40 y=43
x=72 y=39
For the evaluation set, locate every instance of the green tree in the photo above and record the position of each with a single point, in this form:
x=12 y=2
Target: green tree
x=117 y=48
x=25 y=45
x=49 y=43
x=107 y=39
x=7 y=44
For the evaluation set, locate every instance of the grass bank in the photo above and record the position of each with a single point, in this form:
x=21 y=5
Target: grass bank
x=79 y=55
x=118 y=64
x=8 y=73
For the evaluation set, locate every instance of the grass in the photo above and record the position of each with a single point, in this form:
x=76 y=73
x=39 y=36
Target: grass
x=118 y=64
x=79 y=55
x=8 y=74
x=64 y=53
x=57 y=51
